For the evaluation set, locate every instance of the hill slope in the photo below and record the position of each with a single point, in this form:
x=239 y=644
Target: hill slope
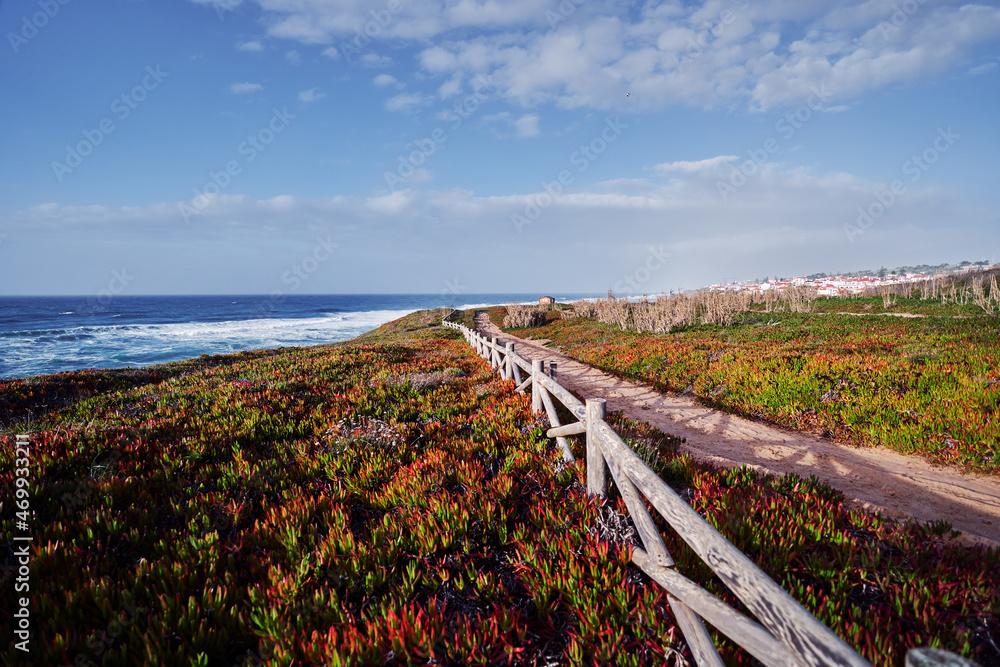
x=389 y=499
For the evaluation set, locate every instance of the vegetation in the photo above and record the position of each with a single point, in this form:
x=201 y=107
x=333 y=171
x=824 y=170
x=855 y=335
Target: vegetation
x=929 y=386
x=974 y=292
x=389 y=500
x=415 y=325
x=676 y=311
x=519 y=316
x=970 y=294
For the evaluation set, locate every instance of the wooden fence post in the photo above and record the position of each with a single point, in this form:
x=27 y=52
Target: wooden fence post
x=513 y=368
x=536 y=396
x=597 y=467
x=786 y=634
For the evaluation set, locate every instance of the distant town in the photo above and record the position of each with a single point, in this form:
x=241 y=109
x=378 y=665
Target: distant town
x=855 y=282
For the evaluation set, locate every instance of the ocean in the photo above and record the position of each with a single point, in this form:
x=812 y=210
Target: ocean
x=42 y=335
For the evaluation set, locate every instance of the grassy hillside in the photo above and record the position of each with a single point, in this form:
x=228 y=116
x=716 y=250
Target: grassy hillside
x=389 y=500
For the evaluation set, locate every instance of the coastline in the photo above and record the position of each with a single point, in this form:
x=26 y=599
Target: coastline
x=45 y=335
x=398 y=475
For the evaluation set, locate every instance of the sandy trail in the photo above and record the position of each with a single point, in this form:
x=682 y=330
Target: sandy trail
x=871 y=478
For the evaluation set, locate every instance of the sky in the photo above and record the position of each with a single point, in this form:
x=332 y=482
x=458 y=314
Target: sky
x=479 y=146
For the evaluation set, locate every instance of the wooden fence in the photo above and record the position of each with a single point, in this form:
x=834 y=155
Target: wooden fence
x=787 y=634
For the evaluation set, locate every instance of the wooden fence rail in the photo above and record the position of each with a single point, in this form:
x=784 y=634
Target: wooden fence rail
x=786 y=634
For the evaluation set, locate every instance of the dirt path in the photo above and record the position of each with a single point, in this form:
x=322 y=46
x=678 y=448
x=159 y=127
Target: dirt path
x=873 y=314
x=872 y=478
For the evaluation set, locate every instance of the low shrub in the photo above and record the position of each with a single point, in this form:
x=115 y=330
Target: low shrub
x=519 y=317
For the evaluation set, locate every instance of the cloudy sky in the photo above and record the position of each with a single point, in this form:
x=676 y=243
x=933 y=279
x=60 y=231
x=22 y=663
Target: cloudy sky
x=405 y=146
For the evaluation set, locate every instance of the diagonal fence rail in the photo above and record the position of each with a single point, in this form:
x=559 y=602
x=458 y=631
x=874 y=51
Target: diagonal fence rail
x=786 y=634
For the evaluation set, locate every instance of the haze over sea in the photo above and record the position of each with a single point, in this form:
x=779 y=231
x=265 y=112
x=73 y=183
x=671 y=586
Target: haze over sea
x=40 y=335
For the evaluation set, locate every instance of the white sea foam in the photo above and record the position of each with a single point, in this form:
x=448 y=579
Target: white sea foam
x=34 y=346
x=42 y=351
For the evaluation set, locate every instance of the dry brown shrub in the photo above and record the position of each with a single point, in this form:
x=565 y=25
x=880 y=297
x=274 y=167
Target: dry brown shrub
x=580 y=309
x=973 y=287
x=987 y=299
x=723 y=308
x=669 y=312
x=614 y=311
x=799 y=299
x=519 y=316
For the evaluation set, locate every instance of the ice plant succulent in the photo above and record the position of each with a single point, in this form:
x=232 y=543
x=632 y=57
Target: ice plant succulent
x=929 y=386
x=391 y=501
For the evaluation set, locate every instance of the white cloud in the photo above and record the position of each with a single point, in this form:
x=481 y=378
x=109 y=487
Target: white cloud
x=221 y=5
x=683 y=166
x=331 y=52
x=707 y=53
x=527 y=125
x=393 y=203
x=451 y=87
x=323 y=21
x=375 y=60
x=310 y=95
x=293 y=57
x=419 y=176
x=383 y=80
x=244 y=88
x=983 y=69
x=253 y=46
x=407 y=102
x=848 y=64
x=501 y=117
x=786 y=221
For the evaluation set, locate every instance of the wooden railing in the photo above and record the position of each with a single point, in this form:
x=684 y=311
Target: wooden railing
x=787 y=634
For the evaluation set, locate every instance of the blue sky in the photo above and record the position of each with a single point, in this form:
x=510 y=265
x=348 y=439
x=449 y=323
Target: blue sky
x=213 y=146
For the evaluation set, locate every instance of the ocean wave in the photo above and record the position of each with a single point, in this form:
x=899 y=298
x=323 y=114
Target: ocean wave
x=35 y=351
x=37 y=337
